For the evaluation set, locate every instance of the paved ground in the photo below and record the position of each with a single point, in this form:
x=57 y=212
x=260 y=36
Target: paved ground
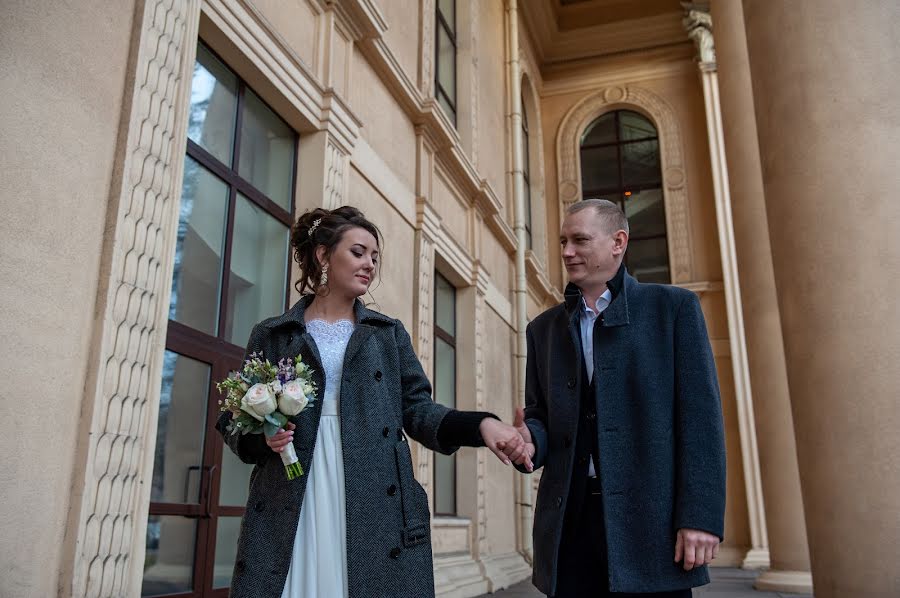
x=726 y=583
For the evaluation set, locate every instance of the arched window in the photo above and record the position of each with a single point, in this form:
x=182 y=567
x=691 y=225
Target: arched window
x=526 y=176
x=620 y=162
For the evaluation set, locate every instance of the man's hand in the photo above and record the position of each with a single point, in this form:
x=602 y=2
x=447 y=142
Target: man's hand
x=523 y=454
x=500 y=437
x=697 y=547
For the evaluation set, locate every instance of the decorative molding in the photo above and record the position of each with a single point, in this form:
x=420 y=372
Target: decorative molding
x=335 y=190
x=481 y=283
x=547 y=294
x=568 y=142
x=110 y=520
x=698 y=23
x=426 y=47
x=553 y=45
x=426 y=223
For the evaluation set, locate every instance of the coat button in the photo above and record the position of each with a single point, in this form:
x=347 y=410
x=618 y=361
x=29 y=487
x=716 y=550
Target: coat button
x=592 y=416
x=385 y=431
x=582 y=459
x=392 y=490
x=571 y=383
x=559 y=501
x=259 y=506
x=395 y=552
x=378 y=375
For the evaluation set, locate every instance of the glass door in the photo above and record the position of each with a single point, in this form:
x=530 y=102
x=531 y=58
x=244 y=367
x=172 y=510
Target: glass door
x=231 y=271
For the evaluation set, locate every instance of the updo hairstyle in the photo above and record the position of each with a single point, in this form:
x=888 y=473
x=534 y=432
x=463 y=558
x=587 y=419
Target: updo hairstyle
x=329 y=231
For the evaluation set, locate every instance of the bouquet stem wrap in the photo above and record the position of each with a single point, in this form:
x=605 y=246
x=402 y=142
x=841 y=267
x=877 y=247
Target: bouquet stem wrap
x=292 y=466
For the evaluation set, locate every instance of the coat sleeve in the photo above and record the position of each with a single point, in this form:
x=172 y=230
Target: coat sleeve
x=699 y=430
x=437 y=427
x=535 y=405
x=250 y=448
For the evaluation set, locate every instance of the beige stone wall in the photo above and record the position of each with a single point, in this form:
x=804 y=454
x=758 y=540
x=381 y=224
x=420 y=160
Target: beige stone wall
x=64 y=72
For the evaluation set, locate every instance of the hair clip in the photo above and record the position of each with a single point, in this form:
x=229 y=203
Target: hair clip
x=315 y=223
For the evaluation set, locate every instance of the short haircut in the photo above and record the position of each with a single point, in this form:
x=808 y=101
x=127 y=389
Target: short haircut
x=611 y=214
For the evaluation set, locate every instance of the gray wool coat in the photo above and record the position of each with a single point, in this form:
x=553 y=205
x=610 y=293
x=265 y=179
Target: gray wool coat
x=659 y=429
x=384 y=393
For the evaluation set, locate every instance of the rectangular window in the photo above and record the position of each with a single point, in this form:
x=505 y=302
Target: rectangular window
x=445 y=57
x=444 y=388
x=231 y=271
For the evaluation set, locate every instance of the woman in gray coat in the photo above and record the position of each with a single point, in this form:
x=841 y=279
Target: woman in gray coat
x=357 y=523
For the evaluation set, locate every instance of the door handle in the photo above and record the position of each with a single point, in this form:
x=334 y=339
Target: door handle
x=207 y=506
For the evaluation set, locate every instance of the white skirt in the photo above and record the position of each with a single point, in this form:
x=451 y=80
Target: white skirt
x=319 y=560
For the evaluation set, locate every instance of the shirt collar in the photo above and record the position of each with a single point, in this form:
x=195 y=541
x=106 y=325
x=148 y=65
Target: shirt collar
x=602 y=301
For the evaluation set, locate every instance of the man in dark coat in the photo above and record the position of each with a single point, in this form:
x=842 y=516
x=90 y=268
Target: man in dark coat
x=623 y=413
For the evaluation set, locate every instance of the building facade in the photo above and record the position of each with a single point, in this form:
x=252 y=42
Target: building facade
x=155 y=153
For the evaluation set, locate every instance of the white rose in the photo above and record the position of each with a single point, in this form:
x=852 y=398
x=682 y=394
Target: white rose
x=292 y=400
x=259 y=401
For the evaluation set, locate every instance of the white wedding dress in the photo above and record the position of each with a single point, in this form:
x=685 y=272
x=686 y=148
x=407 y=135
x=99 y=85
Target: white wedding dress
x=319 y=560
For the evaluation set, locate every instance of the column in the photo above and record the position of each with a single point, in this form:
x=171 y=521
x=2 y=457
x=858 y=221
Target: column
x=698 y=24
x=828 y=118
x=788 y=551
x=109 y=514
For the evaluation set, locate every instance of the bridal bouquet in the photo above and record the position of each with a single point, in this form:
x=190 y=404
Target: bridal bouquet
x=261 y=397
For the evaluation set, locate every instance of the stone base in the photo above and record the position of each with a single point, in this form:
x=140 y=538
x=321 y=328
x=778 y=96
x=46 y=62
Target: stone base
x=729 y=556
x=458 y=576
x=756 y=558
x=793 y=582
x=504 y=570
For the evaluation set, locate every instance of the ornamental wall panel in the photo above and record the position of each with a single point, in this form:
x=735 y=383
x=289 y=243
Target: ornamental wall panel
x=111 y=521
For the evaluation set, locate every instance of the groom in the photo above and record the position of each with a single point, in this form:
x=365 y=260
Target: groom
x=622 y=411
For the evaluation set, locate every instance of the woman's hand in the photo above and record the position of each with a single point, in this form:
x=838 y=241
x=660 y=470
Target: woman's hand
x=503 y=440
x=284 y=437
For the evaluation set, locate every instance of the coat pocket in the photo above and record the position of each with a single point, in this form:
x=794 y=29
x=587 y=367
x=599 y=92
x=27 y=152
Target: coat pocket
x=414 y=501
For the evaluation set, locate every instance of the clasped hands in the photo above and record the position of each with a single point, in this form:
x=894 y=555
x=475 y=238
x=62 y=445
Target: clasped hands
x=510 y=443
x=513 y=444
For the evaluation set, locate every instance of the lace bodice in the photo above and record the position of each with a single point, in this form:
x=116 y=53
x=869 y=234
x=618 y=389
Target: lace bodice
x=331 y=340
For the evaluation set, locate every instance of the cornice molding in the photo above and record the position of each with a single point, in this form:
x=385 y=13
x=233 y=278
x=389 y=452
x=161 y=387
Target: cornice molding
x=539 y=282
x=553 y=45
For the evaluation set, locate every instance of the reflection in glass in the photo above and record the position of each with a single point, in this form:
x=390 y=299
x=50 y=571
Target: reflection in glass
x=648 y=260
x=646 y=213
x=448 y=10
x=169 y=560
x=267 y=151
x=634 y=126
x=445 y=305
x=446 y=63
x=444 y=484
x=599 y=168
x=234 y=488
x=640 y=163
x=179 y=438
x=601 y=131
x=227 y=531
x=199 y=246
x=213 y=110
x=257 y=286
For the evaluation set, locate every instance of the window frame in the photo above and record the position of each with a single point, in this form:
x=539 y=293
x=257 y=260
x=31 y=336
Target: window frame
x=441 y=23
x=451 y=340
